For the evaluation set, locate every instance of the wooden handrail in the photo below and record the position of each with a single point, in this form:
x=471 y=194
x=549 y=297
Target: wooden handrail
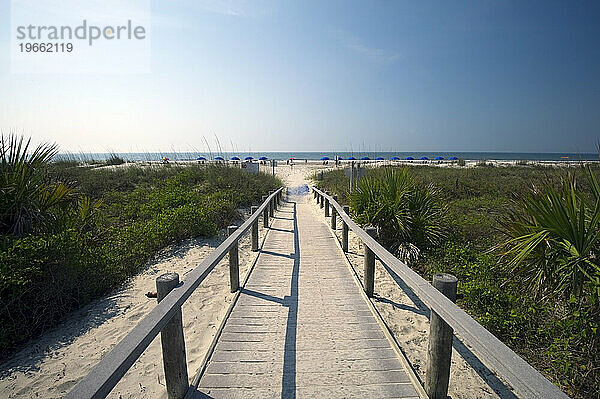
x=107 y=373
x=526 y=381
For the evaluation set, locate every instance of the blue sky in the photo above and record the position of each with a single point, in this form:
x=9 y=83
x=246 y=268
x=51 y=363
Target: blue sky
x=332 y=75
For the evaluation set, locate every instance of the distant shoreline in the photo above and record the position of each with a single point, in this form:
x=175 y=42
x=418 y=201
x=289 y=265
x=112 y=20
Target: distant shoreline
x=316 y=156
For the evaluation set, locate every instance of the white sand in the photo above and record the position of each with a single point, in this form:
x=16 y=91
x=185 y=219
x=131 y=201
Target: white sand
x=53 y=363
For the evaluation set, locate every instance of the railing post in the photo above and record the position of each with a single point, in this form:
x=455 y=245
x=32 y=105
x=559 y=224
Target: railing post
x=253 y=209
x=439 y=352
x=271 y=210
x=265 y=213
x=345 y=230
x=234 y=263
x=327 y=205
x=173 y=342
x=275 y=201
x=369 y=264
x=334 y=214
x=322 y=202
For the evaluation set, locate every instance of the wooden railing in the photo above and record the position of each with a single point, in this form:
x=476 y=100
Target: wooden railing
x=107 y=373
x=516 y=372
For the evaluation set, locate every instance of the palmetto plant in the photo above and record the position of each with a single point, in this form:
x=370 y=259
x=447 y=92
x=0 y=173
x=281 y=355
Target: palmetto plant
x=25 y=192
x=554 y=239
x=408 y=215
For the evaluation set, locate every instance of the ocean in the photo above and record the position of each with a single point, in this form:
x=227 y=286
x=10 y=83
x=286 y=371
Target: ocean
x=183 y=156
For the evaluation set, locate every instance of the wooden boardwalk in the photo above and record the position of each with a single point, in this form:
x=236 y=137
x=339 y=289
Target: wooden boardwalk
x=301 y=326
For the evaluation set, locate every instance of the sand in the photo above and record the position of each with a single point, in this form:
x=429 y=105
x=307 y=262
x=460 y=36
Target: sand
x=50 y=365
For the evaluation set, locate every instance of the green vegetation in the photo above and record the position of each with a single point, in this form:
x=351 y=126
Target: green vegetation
x=70 y=233
x=407 y=215
x=523 y=242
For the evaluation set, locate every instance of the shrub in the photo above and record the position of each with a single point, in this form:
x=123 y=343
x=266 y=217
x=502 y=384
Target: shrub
x=27 y=195
x=554 y=239
x=104 y=231
x=408 y=215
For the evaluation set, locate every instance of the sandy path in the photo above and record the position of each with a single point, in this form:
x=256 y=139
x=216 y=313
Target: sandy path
x=50 y=365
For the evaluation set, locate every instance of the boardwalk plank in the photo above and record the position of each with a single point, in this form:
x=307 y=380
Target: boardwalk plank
x=300 y=327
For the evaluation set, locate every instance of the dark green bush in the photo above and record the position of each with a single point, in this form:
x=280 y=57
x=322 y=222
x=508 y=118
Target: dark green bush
x=114 y=222
x=559 y=336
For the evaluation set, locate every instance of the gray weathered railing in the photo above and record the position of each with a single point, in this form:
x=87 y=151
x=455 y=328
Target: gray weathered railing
x=107 y=373
x=526 y=381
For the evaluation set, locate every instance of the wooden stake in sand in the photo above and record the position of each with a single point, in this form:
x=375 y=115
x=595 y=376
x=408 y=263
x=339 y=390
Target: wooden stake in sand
x=439 y=352
x=173 y=342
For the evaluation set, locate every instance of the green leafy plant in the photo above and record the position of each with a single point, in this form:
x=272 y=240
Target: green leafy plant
x=408 y=214
x=27 y=195
x=554 y=239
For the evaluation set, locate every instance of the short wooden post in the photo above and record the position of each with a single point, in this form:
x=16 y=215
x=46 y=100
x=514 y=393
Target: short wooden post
x=369 y=263
x=345 y=230
x=271 y=207
x=253 y=210
x=322 y=201
x=173 y=342
x=334 y=214
x=265 y=213
x=327 y=205
x=234 y=262
x=439 y=352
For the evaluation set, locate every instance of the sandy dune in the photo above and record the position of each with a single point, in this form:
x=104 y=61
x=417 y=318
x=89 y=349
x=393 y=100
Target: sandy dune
x=52 y=364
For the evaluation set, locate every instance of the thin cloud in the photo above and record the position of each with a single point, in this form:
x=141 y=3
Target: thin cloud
x=236 y=8
x=357 y=46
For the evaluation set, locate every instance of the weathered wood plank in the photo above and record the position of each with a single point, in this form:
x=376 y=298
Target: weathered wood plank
x=522 y=377
x=301 y=326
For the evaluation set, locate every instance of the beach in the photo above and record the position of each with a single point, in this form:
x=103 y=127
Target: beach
x=52 y=364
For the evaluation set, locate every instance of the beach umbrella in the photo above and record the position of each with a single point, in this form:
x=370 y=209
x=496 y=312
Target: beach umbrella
x=324 y=158
x=438 y=158
x=200 y=159
x=453 y=158
x=394 y=158
x=409 y=158
x=219 y=159
x=248 y=158
x=365 y=158
x=263 y=158
x=379 y=159
x=235 y=158
x=351 y=159
x=424 y=158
